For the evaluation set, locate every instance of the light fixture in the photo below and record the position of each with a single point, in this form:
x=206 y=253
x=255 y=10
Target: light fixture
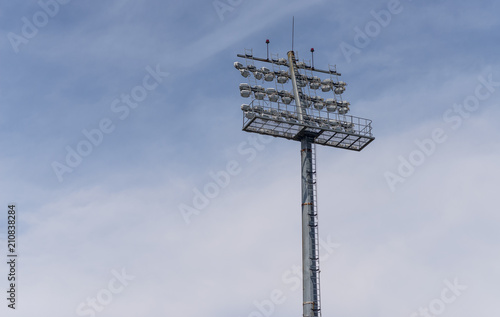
x=286 y=100
x=245 y=93
x=259 y=95
x=331 y=105
x=301 y=65
x=319 y=105
x=257 y=75
x=250 y=115
x=246 y=107
x=325 y=88
x=245 y=86
x=282 y=61
x=271 y=91
x=238 y=65
x=245 y=73
x=269 y=77
x=258 y=109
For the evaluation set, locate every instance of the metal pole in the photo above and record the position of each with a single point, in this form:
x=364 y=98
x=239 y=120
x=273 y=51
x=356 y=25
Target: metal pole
x=267 y=44
x=310 y=243
x=291 y=65
x=312 y=58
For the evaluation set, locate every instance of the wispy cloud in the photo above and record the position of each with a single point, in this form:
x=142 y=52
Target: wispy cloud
x=120 y=207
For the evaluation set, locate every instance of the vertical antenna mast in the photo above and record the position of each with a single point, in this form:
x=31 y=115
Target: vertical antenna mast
x=293 y=30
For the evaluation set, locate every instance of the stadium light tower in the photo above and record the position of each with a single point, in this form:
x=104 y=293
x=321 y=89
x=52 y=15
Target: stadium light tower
x=292 y=108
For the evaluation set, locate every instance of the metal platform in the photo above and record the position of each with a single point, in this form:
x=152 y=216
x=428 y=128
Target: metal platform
x=330 y=129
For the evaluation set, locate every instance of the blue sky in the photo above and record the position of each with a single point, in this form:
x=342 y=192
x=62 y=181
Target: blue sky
x=395 y=233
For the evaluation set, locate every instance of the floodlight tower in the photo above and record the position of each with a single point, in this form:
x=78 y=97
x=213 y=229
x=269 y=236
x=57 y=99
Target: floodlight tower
x=301 y=114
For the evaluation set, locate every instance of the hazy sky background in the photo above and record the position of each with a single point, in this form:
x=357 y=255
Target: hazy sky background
x=392 y=235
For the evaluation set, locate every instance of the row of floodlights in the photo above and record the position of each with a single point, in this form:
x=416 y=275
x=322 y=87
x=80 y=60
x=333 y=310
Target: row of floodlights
x=284 y=62
x=283 y=76
x=306 y=101
x=291 y=118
